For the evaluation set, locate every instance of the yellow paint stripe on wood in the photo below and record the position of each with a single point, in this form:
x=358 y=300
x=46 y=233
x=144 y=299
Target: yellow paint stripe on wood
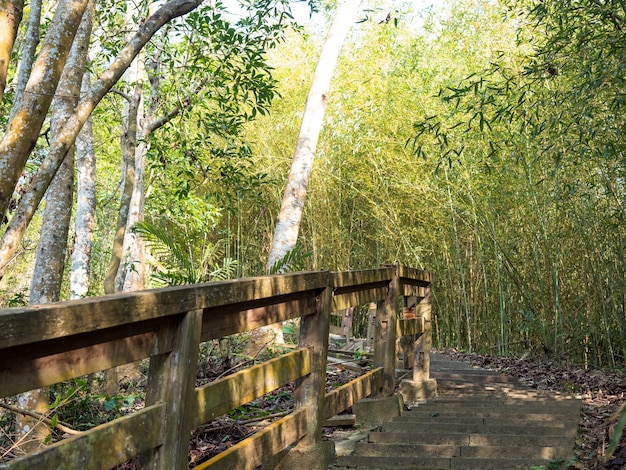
x=232 y=391
x=345 y=396
x=105 y=446
x=251 y=452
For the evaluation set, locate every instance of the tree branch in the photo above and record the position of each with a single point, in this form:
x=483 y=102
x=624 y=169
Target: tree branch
x=60 y=426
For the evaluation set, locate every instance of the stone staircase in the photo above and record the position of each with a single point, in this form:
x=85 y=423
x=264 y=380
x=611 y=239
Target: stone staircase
x=479 y=420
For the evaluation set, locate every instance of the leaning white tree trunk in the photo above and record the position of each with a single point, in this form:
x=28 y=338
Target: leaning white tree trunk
x=29 y=50
x=48 y=273
x=290 y=216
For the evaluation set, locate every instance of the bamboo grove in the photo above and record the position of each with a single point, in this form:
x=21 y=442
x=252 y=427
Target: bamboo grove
x=480 y=141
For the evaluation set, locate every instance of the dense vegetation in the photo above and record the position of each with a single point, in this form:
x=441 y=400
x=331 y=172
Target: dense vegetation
x=483 y=143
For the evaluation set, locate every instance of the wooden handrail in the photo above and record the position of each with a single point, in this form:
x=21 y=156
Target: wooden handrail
x=45 y=344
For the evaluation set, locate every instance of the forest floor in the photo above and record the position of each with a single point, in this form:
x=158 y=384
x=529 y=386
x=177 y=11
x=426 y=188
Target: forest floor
x=603 y=394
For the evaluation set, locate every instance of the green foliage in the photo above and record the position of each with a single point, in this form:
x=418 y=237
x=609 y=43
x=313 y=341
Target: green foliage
x=294 y=260
x=14 y=298
x=75 y=402
x=186 y=261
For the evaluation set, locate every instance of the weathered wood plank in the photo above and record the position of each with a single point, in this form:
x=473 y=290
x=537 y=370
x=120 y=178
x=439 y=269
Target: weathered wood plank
x=25 y=325
x=309 y=392
x=359 y=278
x=410 y=327
x=385 y=337
x=171 y=380
x=413 y=291
x=31 y=373
x=251 y=452
x=254 y=289
x=370 y=293
x=218 y=397
x=347 y=395
x=415 y=274
x=223 y=321
x=102 y=447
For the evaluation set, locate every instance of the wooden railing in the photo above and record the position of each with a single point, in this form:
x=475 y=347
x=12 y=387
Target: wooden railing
x=46 y=344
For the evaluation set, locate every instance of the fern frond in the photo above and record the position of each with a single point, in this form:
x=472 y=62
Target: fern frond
x=294 y=260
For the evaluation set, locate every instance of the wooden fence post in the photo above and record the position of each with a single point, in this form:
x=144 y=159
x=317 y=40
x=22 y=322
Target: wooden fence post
x=385 y=337
x=421 y=367
x=421 y=386
x=171 y=380
x=310 y=390
x=311 y=452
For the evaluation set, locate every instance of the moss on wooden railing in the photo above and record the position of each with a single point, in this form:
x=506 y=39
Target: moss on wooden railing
x=47 y=344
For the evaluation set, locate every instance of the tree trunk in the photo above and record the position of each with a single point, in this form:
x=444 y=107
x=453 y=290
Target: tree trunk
x=134 y=245
x=85 y=208
x=134 y=277
x=31 y=199
x=29 y=49
x=290 y=215
x=48 y=273
x=10 y=18
x=128 y=142
x=23 y=130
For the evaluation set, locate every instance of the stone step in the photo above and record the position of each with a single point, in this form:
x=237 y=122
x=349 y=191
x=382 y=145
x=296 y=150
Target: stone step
x=529 y=406
x=552 y=429
x=489 y=418
x=457 y=386
x=435 y=463
x=528 y=399
x=480 y=420
x=473 y=376
x=443 y=450
x=469 y=439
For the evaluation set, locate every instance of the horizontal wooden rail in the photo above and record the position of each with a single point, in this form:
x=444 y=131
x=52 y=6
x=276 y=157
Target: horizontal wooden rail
x=46 y=344
x=410 y=327
x=104 y=446
x=348 y=394
x=221 y=396
x=251 y=452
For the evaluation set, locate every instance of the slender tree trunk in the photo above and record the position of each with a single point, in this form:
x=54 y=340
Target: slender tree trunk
x=85 y=208
x=147 y=123
x=134 y=279
x=290 y=215
x=128 y=144
x=48 y=273
x=31 y=41
x=23 y=129
x=10 y=18
x=31 y=199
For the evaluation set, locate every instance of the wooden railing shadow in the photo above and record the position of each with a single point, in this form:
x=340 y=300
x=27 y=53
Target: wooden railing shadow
x=47 y=344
